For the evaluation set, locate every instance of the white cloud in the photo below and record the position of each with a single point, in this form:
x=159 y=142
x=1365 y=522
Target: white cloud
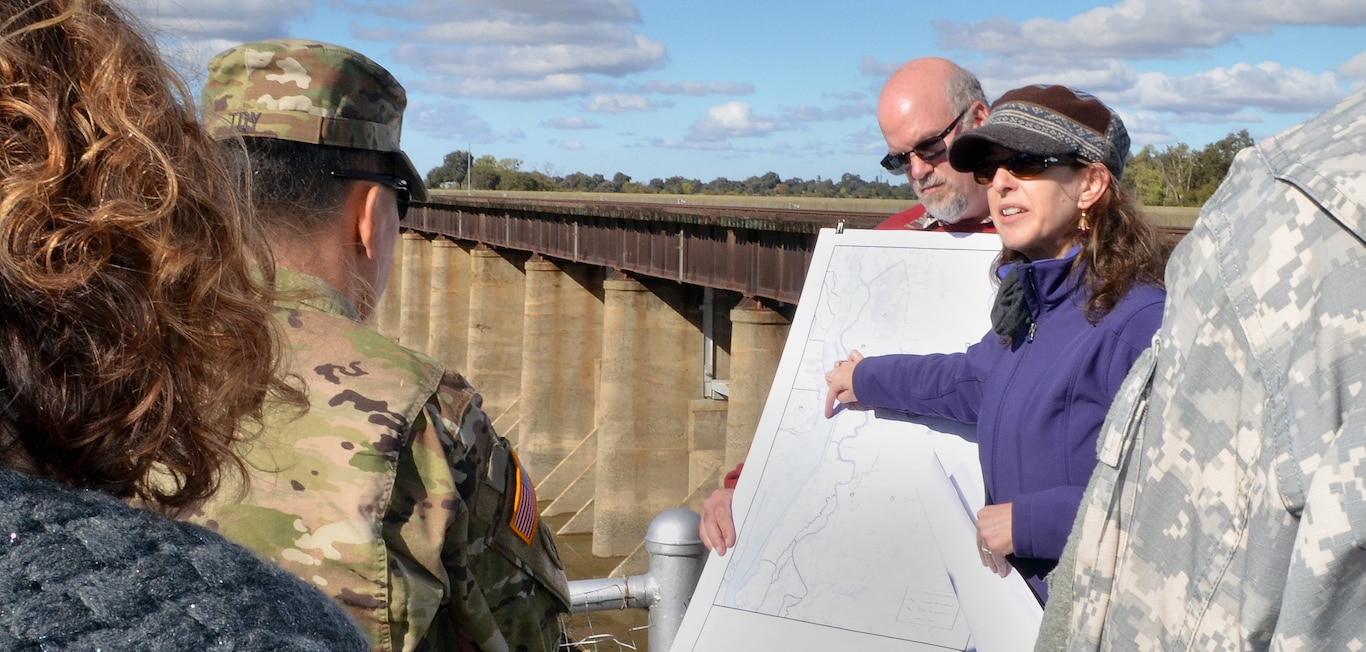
x=1145 y=28
x=1268 y=86
x=571 y=122
x=247 y=20
x=618 y=104
x=1146 y=128
x=616 y=10
x=508 y=49
x=870 y=67
x=553 y=86
x=572 y=145
x=847 y=96
x=533 y=61
x=511 y=32
x=523 y=49
x=532 y=11
x=806 y=113
x=703 y=145
x=1096 y=77
x=867 y=141
x=1354 y=67
x=698 y=89
x=447 y=121
x=1301 y=12
x=1197 y=117
x=1094 y=51
x=190 y=34
x=730 y=120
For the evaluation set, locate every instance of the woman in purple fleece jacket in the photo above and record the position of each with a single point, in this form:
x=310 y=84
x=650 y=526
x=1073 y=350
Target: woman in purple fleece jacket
x=1080 y=298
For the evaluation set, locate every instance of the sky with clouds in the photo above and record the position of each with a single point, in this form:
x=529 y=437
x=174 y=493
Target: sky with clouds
x=712 y=88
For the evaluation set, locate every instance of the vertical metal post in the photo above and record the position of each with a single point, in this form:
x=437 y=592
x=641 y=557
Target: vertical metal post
x=708 y=343
x=676 y=559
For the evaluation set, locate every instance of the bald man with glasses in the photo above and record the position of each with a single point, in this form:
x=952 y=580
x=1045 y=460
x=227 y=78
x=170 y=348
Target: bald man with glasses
x=923 y=107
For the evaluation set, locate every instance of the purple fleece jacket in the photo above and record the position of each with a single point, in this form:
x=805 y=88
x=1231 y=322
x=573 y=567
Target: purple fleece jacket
x=1038 y=403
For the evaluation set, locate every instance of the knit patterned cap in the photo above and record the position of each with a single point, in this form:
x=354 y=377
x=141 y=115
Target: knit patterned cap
x=308 y=92
x=1047 y=121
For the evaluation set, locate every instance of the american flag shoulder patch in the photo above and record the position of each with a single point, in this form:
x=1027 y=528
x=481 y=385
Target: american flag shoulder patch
x=525 y=515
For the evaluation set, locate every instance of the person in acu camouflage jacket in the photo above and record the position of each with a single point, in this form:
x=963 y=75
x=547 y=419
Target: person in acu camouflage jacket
x=1228 y=511
x=392 y=492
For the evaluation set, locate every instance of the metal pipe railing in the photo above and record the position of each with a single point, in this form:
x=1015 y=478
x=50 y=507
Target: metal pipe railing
x=676 y=559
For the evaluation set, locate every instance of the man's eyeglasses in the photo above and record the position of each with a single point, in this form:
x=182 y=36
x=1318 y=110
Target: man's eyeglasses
x=930 y=150
x=400 y=186
x=1021 y=166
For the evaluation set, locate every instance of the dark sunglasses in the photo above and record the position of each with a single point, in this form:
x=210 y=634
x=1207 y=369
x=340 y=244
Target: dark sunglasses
x=930 y=150
x=400 y=186
x=1021 y=166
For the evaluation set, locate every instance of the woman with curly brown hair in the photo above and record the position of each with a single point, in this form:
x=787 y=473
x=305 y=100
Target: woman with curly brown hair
x=135 y=337
x=1080 y=298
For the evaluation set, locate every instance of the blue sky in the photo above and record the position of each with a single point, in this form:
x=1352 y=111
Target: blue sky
x=711 y=88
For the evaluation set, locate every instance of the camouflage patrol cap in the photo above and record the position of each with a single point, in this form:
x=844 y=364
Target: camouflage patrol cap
x=308 y=92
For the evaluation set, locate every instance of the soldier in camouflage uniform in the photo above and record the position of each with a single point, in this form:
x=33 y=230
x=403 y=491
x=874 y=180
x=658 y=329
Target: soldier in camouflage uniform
x=1228 y=511
x=391 y=492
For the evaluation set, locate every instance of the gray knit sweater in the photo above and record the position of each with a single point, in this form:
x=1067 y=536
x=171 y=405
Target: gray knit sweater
x=79 y=570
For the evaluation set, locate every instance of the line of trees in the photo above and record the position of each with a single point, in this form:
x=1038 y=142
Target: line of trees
x=1180 y=176
x=1174 y=176
x=490 y=173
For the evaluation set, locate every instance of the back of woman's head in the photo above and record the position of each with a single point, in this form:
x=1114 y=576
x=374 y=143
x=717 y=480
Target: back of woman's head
x=135 y=334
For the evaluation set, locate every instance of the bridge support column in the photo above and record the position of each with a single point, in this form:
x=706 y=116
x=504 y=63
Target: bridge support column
x=562 y=343
x=757 y=337
x=414 y=315
x=706 y=446
x=494 y=354
x=651 y=370
x=450 y=322
x=386 y=315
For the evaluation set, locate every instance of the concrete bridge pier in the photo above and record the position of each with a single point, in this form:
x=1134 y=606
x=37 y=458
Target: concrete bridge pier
x=494 y=348
x=452 y=270
x=757 y=337
x=414 y=316
x=386 y=314
x=562 y=344
x=651 y=370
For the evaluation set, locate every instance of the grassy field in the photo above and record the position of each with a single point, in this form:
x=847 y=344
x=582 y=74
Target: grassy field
x=1160 y=215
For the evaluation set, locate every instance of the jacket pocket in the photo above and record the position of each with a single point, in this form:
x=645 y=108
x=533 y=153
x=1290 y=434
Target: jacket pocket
x=1127 y=411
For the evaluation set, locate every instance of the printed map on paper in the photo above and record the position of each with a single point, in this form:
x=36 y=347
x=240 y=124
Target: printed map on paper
x=855 y=532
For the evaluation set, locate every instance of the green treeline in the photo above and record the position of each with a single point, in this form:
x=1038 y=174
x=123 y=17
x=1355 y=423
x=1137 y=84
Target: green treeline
x=1174 y=176
x=1179 y=175
x=490 y=173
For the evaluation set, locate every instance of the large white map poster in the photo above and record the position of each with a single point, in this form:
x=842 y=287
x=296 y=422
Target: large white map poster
x=855 y=533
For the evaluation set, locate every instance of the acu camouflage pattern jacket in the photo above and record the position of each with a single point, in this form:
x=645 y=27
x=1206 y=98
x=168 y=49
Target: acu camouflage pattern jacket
x=393 y=494
x=1228 y=511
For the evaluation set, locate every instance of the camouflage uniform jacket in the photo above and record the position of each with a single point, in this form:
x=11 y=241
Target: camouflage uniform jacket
x=393 y=494
x=1228 y=511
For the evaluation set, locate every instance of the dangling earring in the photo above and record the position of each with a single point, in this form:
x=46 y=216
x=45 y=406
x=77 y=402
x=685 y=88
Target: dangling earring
x=1082 y=225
